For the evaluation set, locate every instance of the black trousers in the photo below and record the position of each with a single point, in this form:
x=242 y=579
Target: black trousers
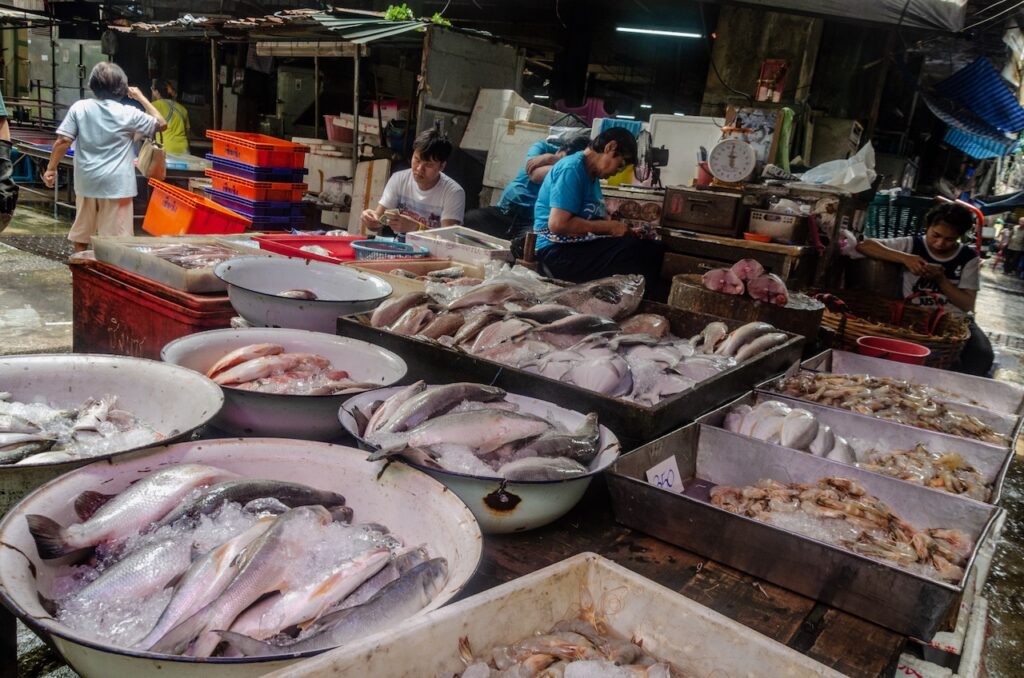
x=590 y=260
x=510 y=224
x=977 y=356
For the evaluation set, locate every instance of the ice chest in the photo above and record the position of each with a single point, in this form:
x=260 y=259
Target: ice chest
x=462 y=244
x=714 y=212
x=120 y=313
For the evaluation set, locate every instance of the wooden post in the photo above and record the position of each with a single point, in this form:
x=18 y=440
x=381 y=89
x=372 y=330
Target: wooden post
x=355 y=112
x=215 y=100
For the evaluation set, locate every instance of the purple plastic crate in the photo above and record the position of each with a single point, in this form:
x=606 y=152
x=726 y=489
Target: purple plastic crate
x=255 y=209
x=255 y=173
x=277 y=223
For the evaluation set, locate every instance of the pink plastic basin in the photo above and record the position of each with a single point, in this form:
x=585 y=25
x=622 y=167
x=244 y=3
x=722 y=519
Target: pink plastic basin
x=893 y=349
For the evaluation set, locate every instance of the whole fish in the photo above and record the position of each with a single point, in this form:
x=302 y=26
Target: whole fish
x=444 y=325
x=391 y=571
x=260 y=368
x=392 y=309
x=437 y=400
x=246 y=490
x=95 y=413
x=499 y=332
x=148 y=500
x=582 y=324
x=243 y=354
x=474 y=325
x=615 y=297
x=580 y=445
x=650 y=324
x=712 y=334
x=542 y=468
x=481 y=430
x=741 y=336
x=31 y=445
x=10 y=423
x=204 y=581
x=760 y=345
x=383 y=413
x=271 y=616
x=544 y=313
x=394 y=603
x=447 y=273
x=265 y=567
x=412 y=321
x=147 y=570
x=488 y=295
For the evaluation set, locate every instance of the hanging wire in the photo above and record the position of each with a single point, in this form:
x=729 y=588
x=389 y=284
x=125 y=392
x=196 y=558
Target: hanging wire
x=993 y=17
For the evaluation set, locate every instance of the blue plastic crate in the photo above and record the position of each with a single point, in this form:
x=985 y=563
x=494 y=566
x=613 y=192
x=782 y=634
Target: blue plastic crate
x=287 y=175
x=255 y=209
x=277 y=223
x=387 y=249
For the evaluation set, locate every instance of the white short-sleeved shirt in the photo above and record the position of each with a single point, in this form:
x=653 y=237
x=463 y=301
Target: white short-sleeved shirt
x=103 y=131
x=962 y=268
x=446 y=200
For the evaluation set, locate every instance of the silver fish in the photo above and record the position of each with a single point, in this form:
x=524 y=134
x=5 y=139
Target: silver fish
x=394 y=569
x=488 y=295
x=481 y=430
x=19 y=452
x=383 y=413
x=580 y=445
x=499 y=332
x=126 y=514
x=147 y=570
x=392 y=309
x=437 y=400
x=444 y=325
x=544 y=313
x=95 y=414
x=542 y=468
x=265 y=567
x=266 y=366
x=760 y=345
x=474 y=325
x=412 y=321
x=245 y=490
x=615 y=297
x=396 y=602
x=243 y=354
x=451 y=272
x=204 y=581
x=741 y=336
x=713 y=334
x=10 y=423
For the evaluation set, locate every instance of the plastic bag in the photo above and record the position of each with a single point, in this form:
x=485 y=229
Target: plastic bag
x=854 y=174
x=570 y=138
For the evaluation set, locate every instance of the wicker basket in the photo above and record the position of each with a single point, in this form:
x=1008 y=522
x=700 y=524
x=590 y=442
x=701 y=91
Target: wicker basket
x=871 y=316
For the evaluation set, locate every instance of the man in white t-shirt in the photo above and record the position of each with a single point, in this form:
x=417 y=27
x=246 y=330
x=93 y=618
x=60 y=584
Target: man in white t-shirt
x=423 y=196
x=103 y=130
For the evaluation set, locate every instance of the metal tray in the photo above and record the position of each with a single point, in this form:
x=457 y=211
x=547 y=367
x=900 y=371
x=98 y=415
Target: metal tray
x=864 y=432
x=883 y=593
x=1008 y=425
x=987 y=394
x=634 y=424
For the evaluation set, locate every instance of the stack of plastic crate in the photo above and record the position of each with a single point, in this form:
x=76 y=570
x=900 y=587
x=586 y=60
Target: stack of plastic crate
x=260 y=177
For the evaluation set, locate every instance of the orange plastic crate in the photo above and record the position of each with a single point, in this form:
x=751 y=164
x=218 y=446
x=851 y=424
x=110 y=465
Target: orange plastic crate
x=257 y=149
x=256 y=190
x=175 y=211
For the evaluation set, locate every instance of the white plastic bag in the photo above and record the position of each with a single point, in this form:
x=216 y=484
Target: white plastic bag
x=854 y=174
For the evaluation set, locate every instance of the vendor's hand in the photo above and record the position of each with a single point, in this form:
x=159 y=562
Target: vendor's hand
x=368 y=220
x=916 y=265
x=404 y=224
x=934 y=272
x=538 y=161
x=136 y=93
x=50 y=178
x=617 y=229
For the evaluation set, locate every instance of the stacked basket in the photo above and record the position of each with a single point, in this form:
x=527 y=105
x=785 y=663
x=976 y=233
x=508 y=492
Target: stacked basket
x=259 y=177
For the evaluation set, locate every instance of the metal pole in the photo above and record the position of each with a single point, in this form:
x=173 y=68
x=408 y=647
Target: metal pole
x=355 y=114
x=216 y=85
x=316 y=93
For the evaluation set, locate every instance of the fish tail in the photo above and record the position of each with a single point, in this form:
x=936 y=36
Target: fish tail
x=88 y=502
x=177 y=640
x=385 y=453
x=249 y=647
x=50 y=537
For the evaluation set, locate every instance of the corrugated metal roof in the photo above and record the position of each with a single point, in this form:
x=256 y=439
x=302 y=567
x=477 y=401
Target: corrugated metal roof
x=980 y=89
x=977 y=147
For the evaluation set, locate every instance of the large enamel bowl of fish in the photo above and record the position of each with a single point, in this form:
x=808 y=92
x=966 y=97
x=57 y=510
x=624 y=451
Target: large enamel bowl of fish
x=230 y=557
x=58 y=412
x=272 y=381
x=546 y=465
x=298 y=293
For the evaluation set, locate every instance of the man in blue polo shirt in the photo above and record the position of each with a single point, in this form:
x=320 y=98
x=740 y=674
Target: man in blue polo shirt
x=575 y=239
x=8 y=189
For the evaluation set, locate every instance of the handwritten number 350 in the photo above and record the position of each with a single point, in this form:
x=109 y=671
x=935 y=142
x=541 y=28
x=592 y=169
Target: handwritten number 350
x=666 y=479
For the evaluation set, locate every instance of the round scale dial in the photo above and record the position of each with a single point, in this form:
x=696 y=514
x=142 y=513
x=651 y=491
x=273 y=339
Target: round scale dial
x=732 y=161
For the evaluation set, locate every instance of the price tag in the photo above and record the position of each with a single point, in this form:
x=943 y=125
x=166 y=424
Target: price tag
x=666 y=476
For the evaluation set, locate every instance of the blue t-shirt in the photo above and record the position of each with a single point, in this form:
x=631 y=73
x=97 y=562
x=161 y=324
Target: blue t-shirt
x=567 y=186
x=522 y=192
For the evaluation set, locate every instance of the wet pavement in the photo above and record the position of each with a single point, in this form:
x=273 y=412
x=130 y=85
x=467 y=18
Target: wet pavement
x=36 y=314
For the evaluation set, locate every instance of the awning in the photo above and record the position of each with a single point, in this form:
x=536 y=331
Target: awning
x=942 y=15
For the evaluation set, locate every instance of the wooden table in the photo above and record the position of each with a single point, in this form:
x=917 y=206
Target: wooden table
x=846 y=643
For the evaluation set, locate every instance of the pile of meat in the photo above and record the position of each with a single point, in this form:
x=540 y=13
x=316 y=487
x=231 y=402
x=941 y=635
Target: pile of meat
x=584 y=335
x=748 y=276
x=189 y=256
x=776 y=422
x=267 y=368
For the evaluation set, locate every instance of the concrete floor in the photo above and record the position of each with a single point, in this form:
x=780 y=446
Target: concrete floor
x=35 y=316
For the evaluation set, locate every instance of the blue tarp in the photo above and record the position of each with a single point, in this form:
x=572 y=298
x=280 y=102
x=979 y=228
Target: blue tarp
x=980 y=89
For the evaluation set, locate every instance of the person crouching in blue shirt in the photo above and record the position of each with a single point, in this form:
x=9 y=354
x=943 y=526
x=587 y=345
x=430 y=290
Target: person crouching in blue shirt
x=575 y=241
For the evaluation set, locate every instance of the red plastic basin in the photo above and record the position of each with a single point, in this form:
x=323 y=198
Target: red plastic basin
x=893 y=349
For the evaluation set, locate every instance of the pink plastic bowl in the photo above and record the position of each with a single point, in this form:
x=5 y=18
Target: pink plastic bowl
x=893 y=349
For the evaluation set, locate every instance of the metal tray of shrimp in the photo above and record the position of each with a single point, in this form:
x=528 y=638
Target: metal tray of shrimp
x=979 y=404
x=634 y=424
x=906 y=601
x=866 y=434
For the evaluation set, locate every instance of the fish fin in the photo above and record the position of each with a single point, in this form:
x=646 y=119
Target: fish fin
x=50 y=537
x=89 y=502
x=49 y=605
x=385 y=453
x=341 y=514
x=250 y=647
x=177 y=640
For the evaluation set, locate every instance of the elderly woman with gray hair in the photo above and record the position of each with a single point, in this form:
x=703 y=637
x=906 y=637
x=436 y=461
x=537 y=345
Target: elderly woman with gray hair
x=103 y=130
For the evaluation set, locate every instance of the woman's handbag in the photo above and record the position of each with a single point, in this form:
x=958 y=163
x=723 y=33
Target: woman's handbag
x=152 y=160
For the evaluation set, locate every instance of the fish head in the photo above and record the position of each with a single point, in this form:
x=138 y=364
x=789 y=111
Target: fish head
x=433 y=575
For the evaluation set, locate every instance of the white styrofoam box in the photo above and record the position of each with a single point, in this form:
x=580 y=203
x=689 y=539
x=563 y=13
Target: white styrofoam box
x=506 y=155
x=444 y=243
x=695 y=639
x=367 y=125
x=490 y=105
x=541 y=115
x=683 y=136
